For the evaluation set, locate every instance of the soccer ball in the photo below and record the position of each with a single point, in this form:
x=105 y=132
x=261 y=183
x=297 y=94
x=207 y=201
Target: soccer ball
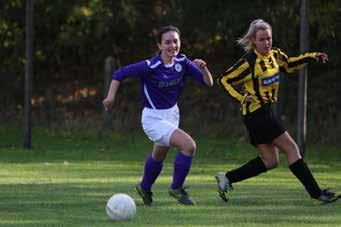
x=120 y=207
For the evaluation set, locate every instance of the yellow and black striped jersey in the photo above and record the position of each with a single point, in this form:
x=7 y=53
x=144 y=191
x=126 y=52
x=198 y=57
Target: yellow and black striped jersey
x=259 y=76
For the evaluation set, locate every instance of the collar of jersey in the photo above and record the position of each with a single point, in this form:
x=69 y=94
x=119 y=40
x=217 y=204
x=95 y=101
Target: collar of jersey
x=178 y=58
x=165 y=65
x=156 y=61
x=261 y=55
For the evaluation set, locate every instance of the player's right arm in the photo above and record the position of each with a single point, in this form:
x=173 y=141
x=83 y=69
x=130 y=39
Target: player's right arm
x=237 y=74
x=109 y=100
x=134 y=70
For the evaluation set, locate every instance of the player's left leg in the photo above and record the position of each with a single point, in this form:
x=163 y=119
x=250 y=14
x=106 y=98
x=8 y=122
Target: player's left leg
x=182 y=164
x=299 y=168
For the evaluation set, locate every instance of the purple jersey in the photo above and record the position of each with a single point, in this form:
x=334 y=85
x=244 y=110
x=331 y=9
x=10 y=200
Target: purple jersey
x=161 y=84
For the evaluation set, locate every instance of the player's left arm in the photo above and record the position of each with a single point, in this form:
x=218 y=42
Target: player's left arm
x=207 y=76
x=322 y=57
x=292 y=64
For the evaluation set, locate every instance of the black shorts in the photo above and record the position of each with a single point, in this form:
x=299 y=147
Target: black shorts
x=262 y=125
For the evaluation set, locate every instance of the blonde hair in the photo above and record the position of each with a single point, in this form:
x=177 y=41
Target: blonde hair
x=256 y=25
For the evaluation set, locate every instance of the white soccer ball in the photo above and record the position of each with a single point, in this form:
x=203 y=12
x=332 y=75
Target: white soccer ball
x=121 y=207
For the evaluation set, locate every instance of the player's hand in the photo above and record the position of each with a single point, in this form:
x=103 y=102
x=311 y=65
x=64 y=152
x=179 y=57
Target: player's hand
x=107 y=103
x=249 y=99
x=199 y=63
x=322 y=57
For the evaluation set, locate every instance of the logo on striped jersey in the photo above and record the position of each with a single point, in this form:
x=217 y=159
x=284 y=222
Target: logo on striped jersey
x=270 y=80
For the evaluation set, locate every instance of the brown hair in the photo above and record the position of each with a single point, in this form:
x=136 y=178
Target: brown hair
x=166 y=29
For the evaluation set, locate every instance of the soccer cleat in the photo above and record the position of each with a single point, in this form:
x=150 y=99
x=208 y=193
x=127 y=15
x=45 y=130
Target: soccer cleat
x=182 y=196
x=145 y=195
x=224 y=186
x=327 y=197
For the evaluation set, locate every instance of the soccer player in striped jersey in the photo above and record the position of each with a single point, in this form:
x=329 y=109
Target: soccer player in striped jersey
x=162 y=81
x=257 y=72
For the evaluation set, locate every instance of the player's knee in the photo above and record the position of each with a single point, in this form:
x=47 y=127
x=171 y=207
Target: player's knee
x=274 y=163
x=159 y=156
x=190 y=147
x=293 y=152
x=271 y=162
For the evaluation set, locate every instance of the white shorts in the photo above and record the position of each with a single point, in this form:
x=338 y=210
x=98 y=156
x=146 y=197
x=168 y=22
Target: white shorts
x=159 y=125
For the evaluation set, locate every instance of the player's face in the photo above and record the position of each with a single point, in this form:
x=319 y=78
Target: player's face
x=263 y=41
x=170 y=44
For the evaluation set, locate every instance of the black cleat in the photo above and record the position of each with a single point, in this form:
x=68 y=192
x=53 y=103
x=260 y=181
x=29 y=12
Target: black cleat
x=145 y=195
x=327 y=197
x=181 y=195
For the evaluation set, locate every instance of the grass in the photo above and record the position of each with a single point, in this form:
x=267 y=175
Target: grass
x=66 y=179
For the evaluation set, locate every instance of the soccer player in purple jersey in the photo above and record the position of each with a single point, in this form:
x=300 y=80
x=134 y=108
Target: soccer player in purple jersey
x=162 y=81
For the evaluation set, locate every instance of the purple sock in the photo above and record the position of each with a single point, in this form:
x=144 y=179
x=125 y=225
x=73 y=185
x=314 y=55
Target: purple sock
x=152 y=169
x=182 y=165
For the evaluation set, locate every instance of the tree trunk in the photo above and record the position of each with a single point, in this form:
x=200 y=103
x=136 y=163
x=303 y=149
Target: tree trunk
x=108 y=70
x=303 y=77
x=28 y=74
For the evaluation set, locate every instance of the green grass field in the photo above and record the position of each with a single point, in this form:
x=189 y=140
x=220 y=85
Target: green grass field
x=66 y=179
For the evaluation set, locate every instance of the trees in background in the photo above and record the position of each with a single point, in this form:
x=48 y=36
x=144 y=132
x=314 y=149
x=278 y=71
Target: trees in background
x=73 y=38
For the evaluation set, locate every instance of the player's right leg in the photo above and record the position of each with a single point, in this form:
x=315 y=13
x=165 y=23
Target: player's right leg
x=157 y=129
x=224 y=186
x=146 y=196
x=152 y=169
x=268 y=159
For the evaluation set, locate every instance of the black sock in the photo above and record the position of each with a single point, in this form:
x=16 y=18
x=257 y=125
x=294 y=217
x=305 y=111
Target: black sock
x=302 y=172
x=253 y=168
